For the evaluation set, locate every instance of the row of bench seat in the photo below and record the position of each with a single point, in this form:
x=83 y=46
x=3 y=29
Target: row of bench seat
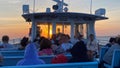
x=65 y=65
x=115 y=59
x=8 y=58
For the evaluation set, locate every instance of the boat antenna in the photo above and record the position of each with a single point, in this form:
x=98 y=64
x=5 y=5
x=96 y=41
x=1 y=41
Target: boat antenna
x=91 y=7
x=34 y=6
x=33 y=24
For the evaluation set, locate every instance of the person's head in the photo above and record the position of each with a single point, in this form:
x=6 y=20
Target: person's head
x=54 y=36
x=79 y=50
x=60 y=58
x=118 y=40
x=91 y=37
x=58 y=30
x=67 y=38
x=62 y=39
x=24 y=41
x=31 y=51
x=112 y=40
x=80 y=37
x=5 y=39
x=45 y=44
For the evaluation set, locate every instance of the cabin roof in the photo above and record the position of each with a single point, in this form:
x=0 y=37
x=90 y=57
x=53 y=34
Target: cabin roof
x=62 y=16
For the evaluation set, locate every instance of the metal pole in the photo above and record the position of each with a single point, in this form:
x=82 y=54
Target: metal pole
x=62 y=5
x=33 y=24
x=34 y=6
x=91 y=7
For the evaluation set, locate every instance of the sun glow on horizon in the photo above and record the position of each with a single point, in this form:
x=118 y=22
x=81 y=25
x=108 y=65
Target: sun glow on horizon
x=14 y=25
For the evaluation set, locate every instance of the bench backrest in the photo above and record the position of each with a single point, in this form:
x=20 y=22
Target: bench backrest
x=102 y=53
x=12 y=53
x=12 y=60
x=65 y=65
x=116 y=58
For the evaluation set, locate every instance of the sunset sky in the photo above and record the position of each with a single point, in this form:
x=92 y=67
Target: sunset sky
x=12 y=23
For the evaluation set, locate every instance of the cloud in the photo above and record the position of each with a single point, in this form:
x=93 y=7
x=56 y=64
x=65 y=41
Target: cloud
x=15 y=1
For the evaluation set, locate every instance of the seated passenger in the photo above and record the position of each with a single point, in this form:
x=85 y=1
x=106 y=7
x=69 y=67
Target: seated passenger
x=53 y=39
x=23 y=43
x=59 y=49
x=92 y=45
x=60 y=58
x=111 y=42
x=30 y=56
x=79 y=53
x=109 y=54
x=6 y=44
x=45 y=47
x=66 y=45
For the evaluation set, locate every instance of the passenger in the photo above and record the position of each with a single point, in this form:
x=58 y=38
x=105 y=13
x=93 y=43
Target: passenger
x=45 y=47
x=59 y=49
x=78 y=37
x=53 y=39
x=37 y=42
x=112 y=41
x=109 y=54
x=6 y=44
x=79 y=53
x=60 y=58
x=66 y=45
x=92 y=45
x=30 y=56
x=23 y=43
x=58 y=37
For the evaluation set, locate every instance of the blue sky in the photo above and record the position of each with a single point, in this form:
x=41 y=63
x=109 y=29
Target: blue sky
x=11 y=22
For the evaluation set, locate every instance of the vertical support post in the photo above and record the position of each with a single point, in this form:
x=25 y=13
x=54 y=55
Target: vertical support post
x=33 y=24
x=81 y=29
x=33 y=30
x=62 y=5
x=72 y=30
x=76 y=29
x=91 y=28
x=87 y=31
x=63 y=28
x=53 y=27
x=48 y=30
x=91 y=7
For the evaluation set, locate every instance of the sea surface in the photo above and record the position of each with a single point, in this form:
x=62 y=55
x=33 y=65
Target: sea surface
x=103 y=40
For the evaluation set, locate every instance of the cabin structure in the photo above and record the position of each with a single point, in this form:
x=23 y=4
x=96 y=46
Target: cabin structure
x=77 y=22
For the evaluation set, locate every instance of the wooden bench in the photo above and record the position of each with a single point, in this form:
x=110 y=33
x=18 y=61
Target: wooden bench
x=65 y=65
x=102 y=53
x=12 y=53
x=115 y=60
x=12 y=60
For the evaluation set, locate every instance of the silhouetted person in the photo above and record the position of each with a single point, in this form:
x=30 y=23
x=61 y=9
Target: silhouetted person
x=23 y=43
x=5 y=42
x=79 y=53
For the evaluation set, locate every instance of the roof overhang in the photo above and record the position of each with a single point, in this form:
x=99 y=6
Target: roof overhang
x=62 y=17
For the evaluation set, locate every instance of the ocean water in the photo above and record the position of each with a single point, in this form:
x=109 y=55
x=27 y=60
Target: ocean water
x=103 y=40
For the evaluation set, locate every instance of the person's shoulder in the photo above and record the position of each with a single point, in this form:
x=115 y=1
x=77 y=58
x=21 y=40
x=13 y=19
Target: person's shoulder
x=116 y=45
x=108 y=45
x=1 y=44
x=95 y=40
